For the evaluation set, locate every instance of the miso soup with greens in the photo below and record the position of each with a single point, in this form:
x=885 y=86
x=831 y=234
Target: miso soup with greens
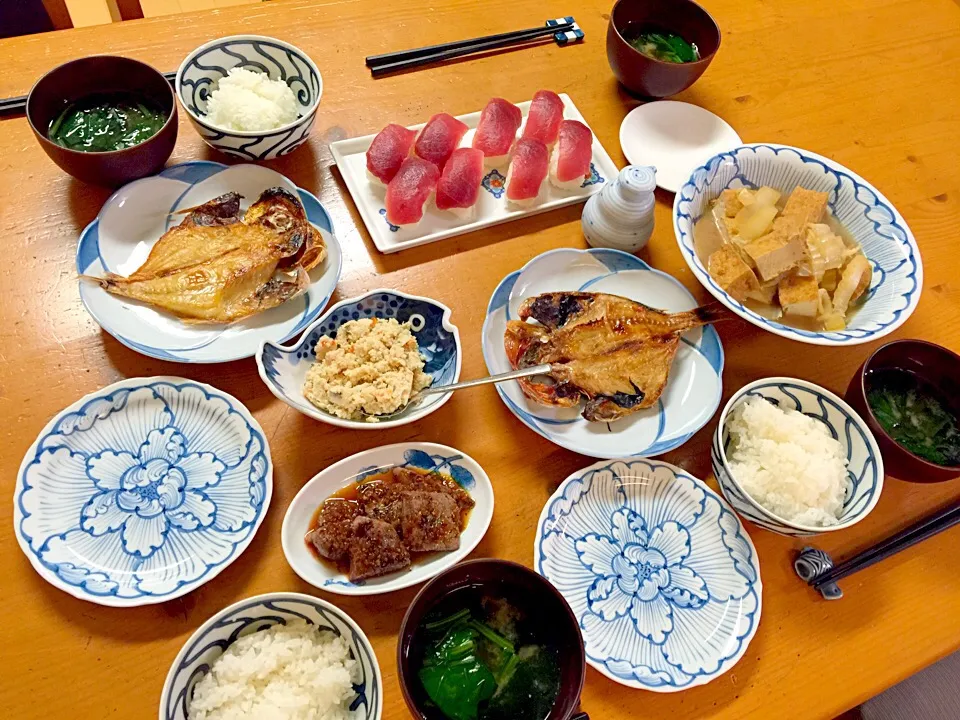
x=483 y=656
x=107 y=122
x=660 y=44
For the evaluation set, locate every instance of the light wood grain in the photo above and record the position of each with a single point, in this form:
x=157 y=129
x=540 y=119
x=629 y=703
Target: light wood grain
x=870 y=83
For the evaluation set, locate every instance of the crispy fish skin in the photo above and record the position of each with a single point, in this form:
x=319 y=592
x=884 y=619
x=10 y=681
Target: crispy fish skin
x=608 y=350
x=217 y=267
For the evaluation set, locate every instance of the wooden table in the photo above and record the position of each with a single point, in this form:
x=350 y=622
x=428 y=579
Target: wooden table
x=869 y=83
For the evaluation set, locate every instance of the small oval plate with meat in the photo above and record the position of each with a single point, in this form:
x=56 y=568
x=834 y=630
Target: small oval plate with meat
x=387 y=518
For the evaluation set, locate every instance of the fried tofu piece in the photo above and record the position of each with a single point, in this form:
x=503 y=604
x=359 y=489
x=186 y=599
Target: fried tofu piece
x=730 y=202
x=778 y=251
x=376 y=549
x=333 y=535
x=799 y=295
x=431 y=521
x=731 y=273
x=805 y=206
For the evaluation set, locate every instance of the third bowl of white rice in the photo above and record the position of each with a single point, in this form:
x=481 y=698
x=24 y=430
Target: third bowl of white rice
x=794 y=458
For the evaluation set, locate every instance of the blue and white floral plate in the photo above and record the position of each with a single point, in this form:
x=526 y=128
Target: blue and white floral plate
x=693 y=391
x=425 y=456
x=134 y=218
x=660 y=573
x=284 y=368
x=142 y=491
x=869 y=217
x=259 y=613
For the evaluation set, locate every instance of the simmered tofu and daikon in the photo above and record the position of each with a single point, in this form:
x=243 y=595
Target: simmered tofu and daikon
x=790 y=261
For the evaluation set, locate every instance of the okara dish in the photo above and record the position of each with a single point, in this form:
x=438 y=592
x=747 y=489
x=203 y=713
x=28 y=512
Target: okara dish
x=373 y=367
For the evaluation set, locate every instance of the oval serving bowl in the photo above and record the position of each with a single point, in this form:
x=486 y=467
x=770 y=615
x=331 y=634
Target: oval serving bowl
x=142 y=491
x=864 y=463
x=661 y=575
x=425 y=456
x=135 y=217
x=284 y=368
x=869 y=217
x=202 y=69
x=696 y=370
x=259 y=613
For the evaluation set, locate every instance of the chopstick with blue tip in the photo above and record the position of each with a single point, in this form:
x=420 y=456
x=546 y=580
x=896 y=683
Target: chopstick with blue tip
x=403 y=59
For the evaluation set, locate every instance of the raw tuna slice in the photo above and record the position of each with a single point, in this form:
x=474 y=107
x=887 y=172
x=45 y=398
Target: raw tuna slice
x=439 y=138
x=388 y=151
x=570 y=162
x=497 y=130
x=528 y=169
x=459 y=184
x=409 y=191
x=543 y=120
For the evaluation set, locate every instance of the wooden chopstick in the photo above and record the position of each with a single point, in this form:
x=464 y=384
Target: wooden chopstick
x=421 y=56
x=17 y=105
x=397 y=56
x=916 y=533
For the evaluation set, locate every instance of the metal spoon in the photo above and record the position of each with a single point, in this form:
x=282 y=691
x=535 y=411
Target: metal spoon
x=438 y=389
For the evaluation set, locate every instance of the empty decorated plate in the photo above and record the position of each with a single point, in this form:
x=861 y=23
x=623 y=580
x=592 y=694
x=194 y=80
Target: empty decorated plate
x=135 y=217
x=693 y=390
x=142 y=491
x=660 y=573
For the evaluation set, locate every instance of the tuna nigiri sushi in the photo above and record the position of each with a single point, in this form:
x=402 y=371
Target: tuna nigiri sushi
x=439 y=138
x=387 y=152
x=497 y=130
x=570 y=162
x=459 y=185
x=409 y=191
x=528 y=170
x=543 y=120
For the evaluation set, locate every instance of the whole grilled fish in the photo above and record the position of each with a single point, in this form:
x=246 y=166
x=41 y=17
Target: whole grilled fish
x=218 y=266
x=608 y=350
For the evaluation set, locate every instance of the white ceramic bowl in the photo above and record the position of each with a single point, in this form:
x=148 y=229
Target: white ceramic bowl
x=204 y=67
x=258 y=613
x=869 y=217
x=864 y=463
x=425 y=456
x=284 y=368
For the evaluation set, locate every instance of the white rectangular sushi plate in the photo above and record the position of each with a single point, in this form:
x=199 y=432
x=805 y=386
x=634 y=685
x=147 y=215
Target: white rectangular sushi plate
x=350 y=156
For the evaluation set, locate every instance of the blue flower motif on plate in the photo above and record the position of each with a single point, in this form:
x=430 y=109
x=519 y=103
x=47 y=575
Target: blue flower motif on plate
x=383 y=214
x=494 y=183
x=595 y=177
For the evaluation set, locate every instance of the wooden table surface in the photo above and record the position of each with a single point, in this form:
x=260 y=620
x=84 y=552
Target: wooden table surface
x=870 y=83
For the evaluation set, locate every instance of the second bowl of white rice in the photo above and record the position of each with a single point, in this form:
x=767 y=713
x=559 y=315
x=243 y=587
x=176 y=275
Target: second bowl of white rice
x=794 y=458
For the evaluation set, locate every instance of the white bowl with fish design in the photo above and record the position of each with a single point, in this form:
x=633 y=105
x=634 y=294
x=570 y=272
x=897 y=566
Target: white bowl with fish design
x=134 y=218
x=142 y=491
x=259 y=613
x=425 y=456
x=696 y=371
x=204 y=67
x=660 y=573
x=869 y=217
x=864 y=462
x=284 y=368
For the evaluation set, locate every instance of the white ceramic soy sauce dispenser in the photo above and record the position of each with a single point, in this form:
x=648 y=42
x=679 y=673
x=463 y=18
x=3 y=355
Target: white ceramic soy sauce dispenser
x=620 y=216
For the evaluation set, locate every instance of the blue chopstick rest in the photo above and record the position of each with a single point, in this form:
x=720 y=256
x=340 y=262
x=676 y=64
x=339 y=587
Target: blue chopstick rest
x=573 y=35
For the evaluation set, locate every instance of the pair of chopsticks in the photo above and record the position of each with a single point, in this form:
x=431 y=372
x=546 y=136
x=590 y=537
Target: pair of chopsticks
x=17 y=105
x=404 y=59
x=916 y=533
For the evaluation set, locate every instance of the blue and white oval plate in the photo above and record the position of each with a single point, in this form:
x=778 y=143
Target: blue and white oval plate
x=693 y=391
x=658 y=569
x=142 y=491
x=134 y=218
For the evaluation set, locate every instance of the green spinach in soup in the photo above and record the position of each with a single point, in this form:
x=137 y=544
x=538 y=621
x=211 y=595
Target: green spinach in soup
x=910 y=411
x=103 y=123
x=662 y=44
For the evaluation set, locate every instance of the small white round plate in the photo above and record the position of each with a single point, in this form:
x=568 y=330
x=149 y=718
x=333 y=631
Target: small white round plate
x=658 y=569
x=135 y=217
x=675 y=137
x=425 y=456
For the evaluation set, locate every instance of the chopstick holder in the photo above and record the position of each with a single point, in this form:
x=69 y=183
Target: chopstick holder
x=573 y=35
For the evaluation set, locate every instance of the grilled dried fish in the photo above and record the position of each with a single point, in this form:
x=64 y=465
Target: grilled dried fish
x=218 y=266
x=608 y=350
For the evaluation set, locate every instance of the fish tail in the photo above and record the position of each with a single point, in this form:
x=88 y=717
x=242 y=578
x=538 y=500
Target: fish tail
x=712 y=312
x=107 y=282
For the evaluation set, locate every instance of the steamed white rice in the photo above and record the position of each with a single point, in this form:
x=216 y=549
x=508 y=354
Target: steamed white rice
x=787 y=462
x=250 y=101
x=286 y=672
